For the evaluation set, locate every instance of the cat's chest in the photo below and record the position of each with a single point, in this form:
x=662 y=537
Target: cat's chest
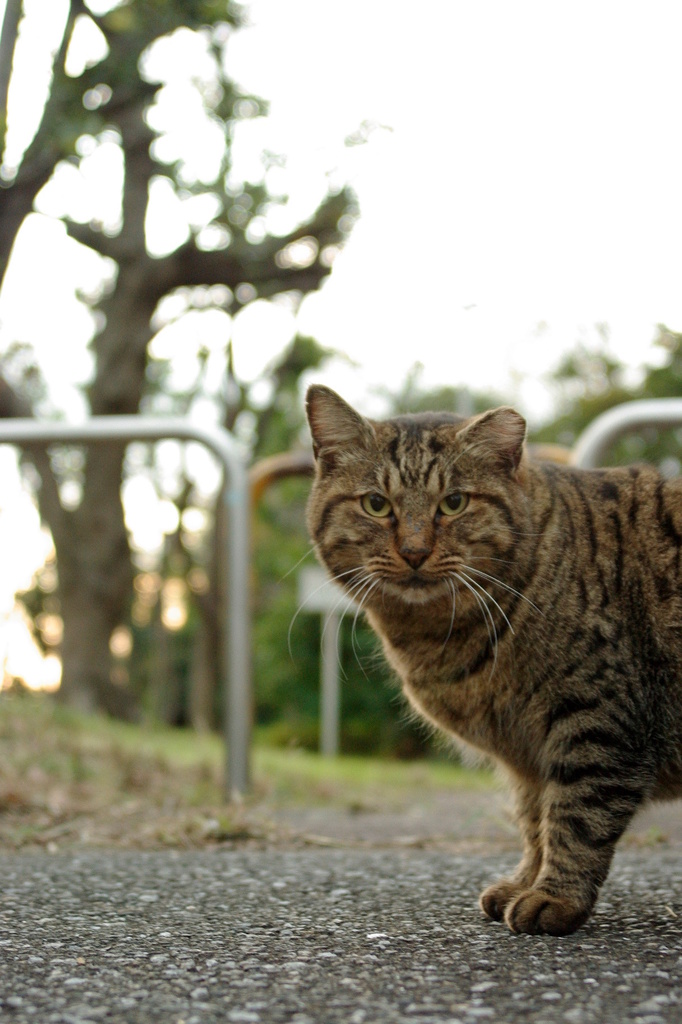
x=467 y=688
x=480 y=713
x=483 y=708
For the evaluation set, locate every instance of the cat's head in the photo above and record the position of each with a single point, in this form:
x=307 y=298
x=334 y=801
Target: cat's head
x=412 y=503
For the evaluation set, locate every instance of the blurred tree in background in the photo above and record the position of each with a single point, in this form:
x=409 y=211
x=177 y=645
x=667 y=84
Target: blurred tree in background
x=588 y=382
x=111 y=95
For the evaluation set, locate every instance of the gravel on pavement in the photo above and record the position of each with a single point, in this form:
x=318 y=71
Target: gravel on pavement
x=315 y=935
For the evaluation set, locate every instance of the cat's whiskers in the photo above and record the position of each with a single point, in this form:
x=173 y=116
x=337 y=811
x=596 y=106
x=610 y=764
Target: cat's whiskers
x=367 y=591
x=353 y=589
x=309 y=552
x=309 y=597
x=453 y=590
x=358 y=590
x=487 y=593
x=505 y=586
x=366 y=583
x=491 y=558
x=487 y=616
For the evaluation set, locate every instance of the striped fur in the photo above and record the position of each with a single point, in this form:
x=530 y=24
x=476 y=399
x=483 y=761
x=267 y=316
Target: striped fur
x=540 y=623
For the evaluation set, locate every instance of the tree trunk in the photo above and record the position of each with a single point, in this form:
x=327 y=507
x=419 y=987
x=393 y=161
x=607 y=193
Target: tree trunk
x=45 y=149
x=164 y=698
x=95 y=580
x=202 y=680
x=86 y=660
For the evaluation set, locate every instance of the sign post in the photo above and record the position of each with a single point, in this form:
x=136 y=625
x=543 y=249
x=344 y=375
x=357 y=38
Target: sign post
x=317 y=593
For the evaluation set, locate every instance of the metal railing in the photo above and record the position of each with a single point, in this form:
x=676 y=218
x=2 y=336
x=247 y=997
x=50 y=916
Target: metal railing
x=595 y=440
x=234 y=598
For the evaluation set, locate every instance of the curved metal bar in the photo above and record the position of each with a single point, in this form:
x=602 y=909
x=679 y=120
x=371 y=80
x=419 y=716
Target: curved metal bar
x=234 y=596
x=596 y=439
x=277 y=467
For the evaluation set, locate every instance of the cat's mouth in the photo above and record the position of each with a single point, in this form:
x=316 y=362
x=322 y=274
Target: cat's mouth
x=417 y=587
x=416 y=580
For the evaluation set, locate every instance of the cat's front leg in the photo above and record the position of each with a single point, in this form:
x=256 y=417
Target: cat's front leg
x=579 y=832
x=495 y=899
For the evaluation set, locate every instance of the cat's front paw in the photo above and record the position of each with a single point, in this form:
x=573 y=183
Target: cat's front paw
x=536 y=913
x=494 y=900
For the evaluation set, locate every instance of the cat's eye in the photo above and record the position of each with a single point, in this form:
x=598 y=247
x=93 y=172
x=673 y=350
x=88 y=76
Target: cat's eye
x=376 y=505
x=453 y=504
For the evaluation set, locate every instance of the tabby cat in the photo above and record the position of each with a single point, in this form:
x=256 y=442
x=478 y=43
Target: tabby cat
x=532 y=610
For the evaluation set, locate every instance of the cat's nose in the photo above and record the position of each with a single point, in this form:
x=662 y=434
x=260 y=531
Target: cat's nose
x=415 y=557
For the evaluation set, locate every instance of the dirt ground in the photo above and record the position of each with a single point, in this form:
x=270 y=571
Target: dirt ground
x=460 y=820
x=65 y=786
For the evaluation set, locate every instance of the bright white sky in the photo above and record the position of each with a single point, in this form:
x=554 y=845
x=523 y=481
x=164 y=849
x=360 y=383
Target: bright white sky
x=531 y=175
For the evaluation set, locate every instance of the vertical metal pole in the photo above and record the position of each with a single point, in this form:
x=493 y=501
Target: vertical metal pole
x=329 y=685
x=236 y=613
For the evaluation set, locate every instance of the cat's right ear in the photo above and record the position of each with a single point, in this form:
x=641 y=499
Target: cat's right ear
x=335 y=426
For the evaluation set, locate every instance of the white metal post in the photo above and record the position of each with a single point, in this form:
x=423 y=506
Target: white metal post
x=330 y=691
x=236 y=633
x=317 y=593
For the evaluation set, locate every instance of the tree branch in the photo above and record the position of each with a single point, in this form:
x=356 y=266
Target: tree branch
x=39 y=160
x=192 y=266
x=87 y=235
x=8 y=39
x=256 y=264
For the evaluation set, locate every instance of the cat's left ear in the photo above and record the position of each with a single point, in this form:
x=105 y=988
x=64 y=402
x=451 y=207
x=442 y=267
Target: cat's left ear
x=335 y=426
x=499 y=433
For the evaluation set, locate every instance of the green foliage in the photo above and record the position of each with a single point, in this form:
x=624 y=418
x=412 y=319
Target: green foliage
x=588 y=383
x=280 y=424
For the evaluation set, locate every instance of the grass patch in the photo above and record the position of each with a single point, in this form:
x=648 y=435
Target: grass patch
x=67 y=778
x=299 y=775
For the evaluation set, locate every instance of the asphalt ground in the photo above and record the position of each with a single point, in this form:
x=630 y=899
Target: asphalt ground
x=317 y=934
